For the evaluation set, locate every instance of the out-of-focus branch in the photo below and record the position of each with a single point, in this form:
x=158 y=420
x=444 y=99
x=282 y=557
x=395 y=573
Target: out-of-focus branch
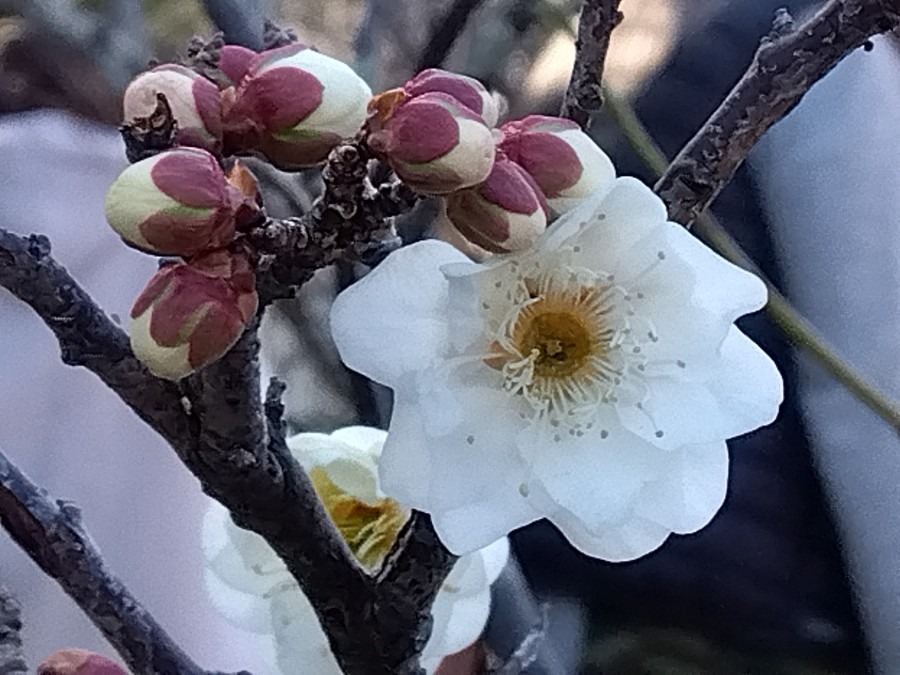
x=240 y=20
x=786 y=64
x=114 y=35
x=12 y=661
x=584 y=95
x=50 y=532
x=444 y=32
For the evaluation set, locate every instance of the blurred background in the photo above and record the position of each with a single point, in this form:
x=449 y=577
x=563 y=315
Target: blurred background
x=797 y=574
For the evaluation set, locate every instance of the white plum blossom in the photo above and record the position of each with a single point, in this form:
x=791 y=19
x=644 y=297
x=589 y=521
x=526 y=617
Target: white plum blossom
x=591 y=379
x=252 y=587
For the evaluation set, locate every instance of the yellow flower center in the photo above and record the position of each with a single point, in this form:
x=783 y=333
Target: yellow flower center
x=560 y=343
x=369 y=529
x=560 y=338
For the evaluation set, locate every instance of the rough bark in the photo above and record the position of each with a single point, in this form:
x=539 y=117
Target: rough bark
x=584 y=95
x=788 y=62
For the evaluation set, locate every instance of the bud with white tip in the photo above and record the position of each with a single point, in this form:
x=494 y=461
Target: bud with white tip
x=506 y=212
x=191 y=313
x=467 y=90
x=434 y=143
x=294 y=105
x=179 y=202
x=563 y=160
x=194 y=101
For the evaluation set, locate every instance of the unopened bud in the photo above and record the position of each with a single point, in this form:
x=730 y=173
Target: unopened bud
x=505 y=213
x=235 y=61
x=79 y=662
x=467 y=90
x=178 y=202
x=294 y=105
x=191 y=313
x=194 y=101
x=434 y=143
x=563 y=160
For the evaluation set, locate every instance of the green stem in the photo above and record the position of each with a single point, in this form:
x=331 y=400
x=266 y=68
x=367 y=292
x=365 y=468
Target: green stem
x=782 y=313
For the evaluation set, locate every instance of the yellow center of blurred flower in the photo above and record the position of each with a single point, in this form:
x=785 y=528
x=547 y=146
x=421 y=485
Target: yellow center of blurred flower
x=369 y=529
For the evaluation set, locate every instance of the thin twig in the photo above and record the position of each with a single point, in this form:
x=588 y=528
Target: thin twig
x=779 y=309
x=12 y=660
x=787 y=63
x=51 y=533
x=584 y=95
x=444 y=32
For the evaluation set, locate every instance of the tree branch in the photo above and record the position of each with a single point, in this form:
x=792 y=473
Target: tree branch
x=349 y=220
x=786 y=64
x=584 y=95
x=50 y=532
x=215 y=422
x=12 y=661
x=414 y=570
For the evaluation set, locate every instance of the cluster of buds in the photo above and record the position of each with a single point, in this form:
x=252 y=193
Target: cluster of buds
x=78 y=662
x=501 y=186
x=181 y=203
x=291 y=105
x=544 y=166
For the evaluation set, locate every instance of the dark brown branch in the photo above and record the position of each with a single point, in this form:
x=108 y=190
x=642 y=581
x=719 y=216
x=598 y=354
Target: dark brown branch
x=349 y=220
x=413 y=572
x=444 y=32
x=50 y=532
x=786 y=64
x=215 y=423
x=12 y=661
x=584 y=95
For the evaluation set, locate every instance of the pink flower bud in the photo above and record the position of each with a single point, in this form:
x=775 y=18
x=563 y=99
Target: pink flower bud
x=234 y=62
x=79 y=662
x=434 y=143
x=467 y=90
x=194 y=100
x=178 y=202
x=505 y=213
x=191 y=313
x=294 y=105
x=565 y=163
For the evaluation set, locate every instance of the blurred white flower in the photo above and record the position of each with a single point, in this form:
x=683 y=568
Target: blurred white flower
x=591 y=379
x=251 y=586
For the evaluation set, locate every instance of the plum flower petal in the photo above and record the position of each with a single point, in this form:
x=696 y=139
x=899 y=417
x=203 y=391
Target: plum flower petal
x=591 y=379
x=461 y=609
x=420 y=331
x=252 y=588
